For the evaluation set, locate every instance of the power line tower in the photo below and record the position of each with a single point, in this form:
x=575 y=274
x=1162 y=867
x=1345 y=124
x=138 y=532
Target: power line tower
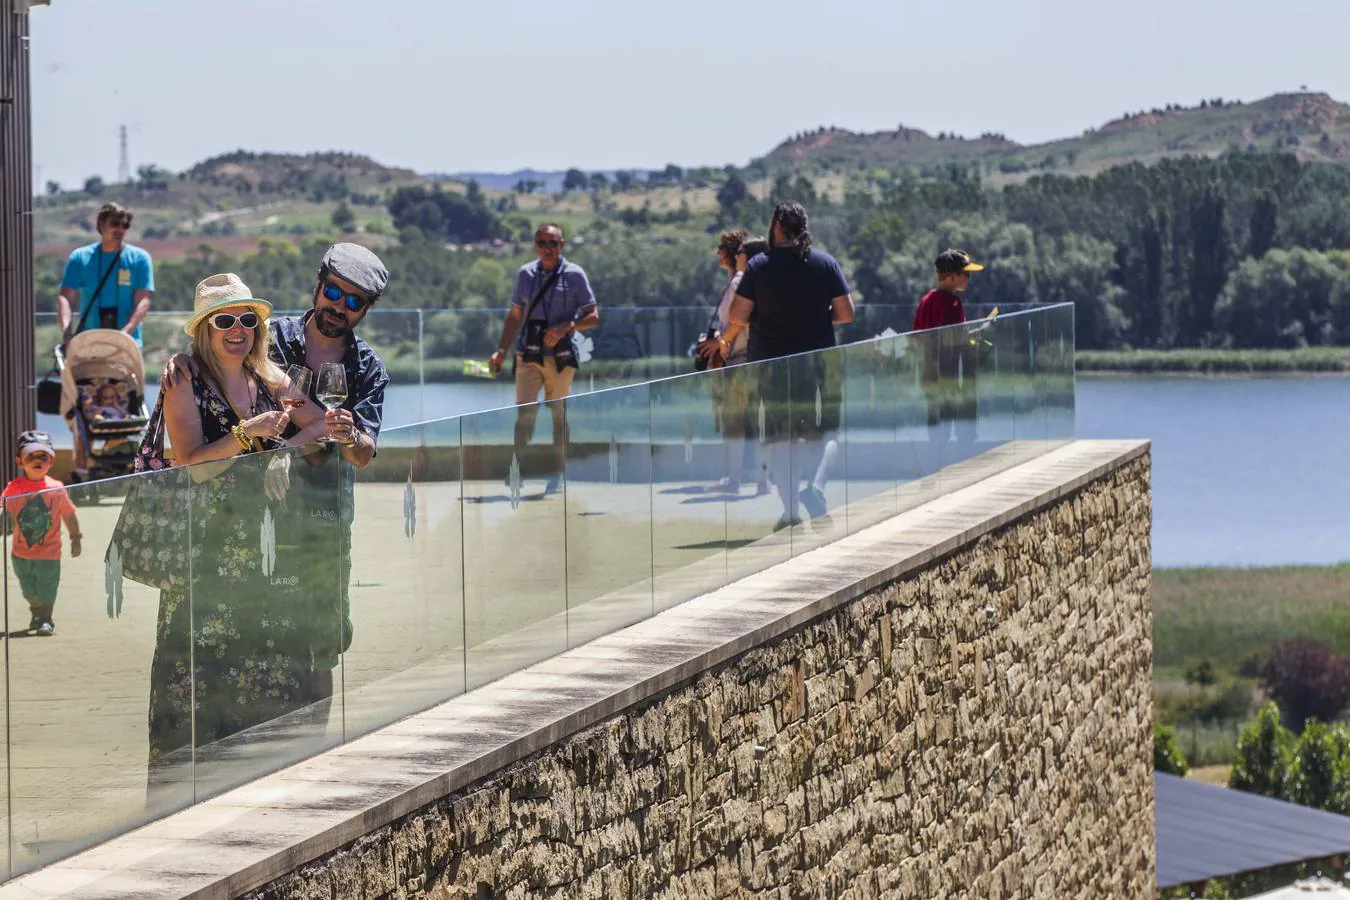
x=123 y=161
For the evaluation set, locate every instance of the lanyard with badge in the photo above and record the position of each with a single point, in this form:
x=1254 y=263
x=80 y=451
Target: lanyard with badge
x=107 y=315
x=93 y=299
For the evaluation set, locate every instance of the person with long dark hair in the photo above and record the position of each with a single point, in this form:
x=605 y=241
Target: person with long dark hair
x=791 y=298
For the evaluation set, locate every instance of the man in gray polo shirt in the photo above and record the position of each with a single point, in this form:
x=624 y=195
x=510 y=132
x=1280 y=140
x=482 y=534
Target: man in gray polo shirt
x=551 y=302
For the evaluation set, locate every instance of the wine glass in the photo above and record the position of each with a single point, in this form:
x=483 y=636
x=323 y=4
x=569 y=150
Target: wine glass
x=295 y=387
x=332 y=390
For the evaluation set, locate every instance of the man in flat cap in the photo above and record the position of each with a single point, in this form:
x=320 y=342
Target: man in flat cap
x=320 y=497
x=350 y=281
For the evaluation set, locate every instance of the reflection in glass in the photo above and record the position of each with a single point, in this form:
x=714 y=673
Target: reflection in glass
x=246 y=650
x=406 y=584
x=690 y=485
x=872 y=460
x=608 y=498
x=803 y=431
x=515 y=557
x=77 y=739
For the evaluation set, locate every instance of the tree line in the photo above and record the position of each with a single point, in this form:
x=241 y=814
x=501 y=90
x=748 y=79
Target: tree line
x=1248 y=250
x=1244 y=251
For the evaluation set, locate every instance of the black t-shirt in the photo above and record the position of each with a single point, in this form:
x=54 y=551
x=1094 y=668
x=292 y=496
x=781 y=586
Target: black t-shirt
x=792 y=301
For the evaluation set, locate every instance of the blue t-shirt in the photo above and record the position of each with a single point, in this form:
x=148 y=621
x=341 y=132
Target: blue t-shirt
x=84 y=269
x=792 y=297
x=563 y=302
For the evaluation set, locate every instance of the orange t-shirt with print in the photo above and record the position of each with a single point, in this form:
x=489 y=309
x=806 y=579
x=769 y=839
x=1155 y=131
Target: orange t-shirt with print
x=36 y=517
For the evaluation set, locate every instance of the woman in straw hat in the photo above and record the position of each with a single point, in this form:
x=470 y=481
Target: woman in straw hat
x=234 y=644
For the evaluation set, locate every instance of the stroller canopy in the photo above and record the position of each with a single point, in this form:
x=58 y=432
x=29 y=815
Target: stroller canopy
x=101 y=353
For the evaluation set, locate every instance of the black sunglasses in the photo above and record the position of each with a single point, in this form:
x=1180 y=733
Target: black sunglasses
x=543 y=243
x=118 y=223
x=353 y=302
x=225 y=321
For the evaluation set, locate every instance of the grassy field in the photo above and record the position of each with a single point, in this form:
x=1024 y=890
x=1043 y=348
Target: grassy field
x=1197 y=361
x=1230 y=615
x=1230 y=618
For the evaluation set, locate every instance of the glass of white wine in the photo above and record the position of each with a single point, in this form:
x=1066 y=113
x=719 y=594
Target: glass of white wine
x=332 y=390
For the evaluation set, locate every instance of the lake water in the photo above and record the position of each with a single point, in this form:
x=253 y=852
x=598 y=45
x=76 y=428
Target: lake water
x=1246 y=471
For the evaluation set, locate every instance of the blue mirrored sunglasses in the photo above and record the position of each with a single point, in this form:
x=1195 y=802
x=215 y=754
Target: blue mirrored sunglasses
x=353 y=302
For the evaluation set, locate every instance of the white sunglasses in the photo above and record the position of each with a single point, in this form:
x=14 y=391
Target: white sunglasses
x=225 y=321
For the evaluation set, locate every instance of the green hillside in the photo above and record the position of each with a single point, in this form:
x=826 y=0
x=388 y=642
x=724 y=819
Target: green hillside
x=235 y=197
x=1312 y=126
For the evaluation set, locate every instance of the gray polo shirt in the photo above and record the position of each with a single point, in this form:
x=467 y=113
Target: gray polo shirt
x=568 y=300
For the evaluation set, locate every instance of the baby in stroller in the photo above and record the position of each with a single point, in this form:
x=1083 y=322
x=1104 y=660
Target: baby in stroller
x=108 y=405
x=103 y=399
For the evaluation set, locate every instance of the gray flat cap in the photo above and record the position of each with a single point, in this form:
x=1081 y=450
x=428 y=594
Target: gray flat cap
x=354 y=263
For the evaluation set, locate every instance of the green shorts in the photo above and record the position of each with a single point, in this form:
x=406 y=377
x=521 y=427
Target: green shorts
x=38 y=579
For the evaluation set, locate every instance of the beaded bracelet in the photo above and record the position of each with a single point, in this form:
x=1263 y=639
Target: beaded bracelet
x=242 y=437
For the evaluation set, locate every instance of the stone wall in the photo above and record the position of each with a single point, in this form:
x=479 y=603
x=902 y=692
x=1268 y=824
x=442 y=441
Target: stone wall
x=978 y=729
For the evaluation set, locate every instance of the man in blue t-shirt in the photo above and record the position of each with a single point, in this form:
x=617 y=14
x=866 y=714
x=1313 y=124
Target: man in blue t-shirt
x=551 y=302
x=791 y=298
x=93 y=293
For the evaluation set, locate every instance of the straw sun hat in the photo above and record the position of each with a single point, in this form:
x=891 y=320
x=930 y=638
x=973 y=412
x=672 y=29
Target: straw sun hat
x=222 y=292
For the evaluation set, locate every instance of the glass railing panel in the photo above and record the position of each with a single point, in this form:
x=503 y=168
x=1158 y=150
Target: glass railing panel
x=453 y=337
x=1055 y=361
x=1000 y=360
x=1026 y=389
x=608 y=496
x=79 y=747
x=398 y=337
x=634 y=344
x=937 y=390
x=477 y=546
x=873 y=462
x=515 y=533
x=757 y=518
x=916 y=458
x=698 y=446
x=266 y=624
x=406 y=585
x=817 y=493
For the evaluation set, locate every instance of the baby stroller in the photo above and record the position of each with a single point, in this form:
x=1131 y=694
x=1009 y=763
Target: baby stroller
x=103 y=400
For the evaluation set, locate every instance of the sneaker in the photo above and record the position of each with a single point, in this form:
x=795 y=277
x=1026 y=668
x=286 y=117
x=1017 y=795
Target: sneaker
x=786 y=522
x=46 y=629
x=35 y=623
x=727 y=486
x=813 y=500
x=553 y=486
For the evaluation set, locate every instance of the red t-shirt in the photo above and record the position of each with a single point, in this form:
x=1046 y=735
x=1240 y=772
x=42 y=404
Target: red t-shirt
x=37 y=519
x=938 y=308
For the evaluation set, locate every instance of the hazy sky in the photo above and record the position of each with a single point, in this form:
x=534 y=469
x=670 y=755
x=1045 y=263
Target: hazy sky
x=449 y=85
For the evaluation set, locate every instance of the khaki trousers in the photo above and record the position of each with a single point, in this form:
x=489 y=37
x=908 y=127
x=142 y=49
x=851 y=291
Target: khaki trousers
x=530 y=377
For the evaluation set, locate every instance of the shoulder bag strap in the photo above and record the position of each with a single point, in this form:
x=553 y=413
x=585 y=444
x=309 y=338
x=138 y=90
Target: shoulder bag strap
x=84 y=317
x=152 y=442
x=548 y=286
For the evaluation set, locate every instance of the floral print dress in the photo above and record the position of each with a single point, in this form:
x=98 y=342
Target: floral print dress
x=230 y=637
